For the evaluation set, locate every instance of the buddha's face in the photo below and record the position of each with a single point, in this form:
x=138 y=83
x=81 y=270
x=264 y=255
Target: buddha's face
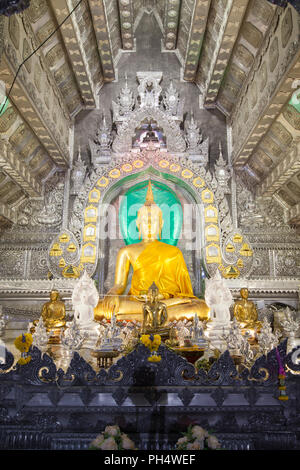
x=152 y=295
x=244 y=293
x=149 y=222
x=54 y=295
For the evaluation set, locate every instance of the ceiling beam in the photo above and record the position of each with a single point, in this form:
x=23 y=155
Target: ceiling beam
x=222 y=30
x=103 y=39
x=126 y=12
x=75 y=50
x=171 y=22
x=196 y=22
x=230 y=33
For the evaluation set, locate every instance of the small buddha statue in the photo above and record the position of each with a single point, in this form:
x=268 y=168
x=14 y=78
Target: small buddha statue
x=154 y=312
x=54 y=312
x=150 y=136
x=152 y=261
x=245 y=311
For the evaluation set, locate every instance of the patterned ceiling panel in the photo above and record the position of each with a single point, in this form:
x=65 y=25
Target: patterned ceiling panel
x=256 y=21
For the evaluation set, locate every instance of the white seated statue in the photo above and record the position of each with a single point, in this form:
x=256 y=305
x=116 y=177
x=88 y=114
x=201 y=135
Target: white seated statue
x=219 y=299
x=85 y=297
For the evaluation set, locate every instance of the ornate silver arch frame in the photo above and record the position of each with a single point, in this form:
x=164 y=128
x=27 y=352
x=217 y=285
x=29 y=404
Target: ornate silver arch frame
x=223 y=249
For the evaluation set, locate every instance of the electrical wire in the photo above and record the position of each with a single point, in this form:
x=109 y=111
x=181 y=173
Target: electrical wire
x=33 y=52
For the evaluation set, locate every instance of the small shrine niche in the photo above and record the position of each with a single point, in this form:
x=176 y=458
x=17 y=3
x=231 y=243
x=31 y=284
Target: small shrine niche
x=149 y=134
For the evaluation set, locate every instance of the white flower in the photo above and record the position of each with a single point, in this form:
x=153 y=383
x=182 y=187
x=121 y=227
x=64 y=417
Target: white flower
x=196 y=445
x=109 y=444
x=126 y=442
x=213 y=442
x=199 y=432
x=112 y=430
x=97 y=441
x=182 y=440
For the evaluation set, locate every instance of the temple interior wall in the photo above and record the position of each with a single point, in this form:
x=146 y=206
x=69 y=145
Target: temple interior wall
x=24 y=246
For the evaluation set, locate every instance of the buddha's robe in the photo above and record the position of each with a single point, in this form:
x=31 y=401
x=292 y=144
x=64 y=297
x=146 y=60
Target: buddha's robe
x=163 y=264
x=54 y=313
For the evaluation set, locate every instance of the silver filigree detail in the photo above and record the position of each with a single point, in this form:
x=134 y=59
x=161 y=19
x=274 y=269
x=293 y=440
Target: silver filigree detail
x=222 y=172
x=78 y=174
x=197 y=147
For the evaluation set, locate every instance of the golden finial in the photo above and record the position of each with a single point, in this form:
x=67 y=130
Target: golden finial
x=149 y=195
x=152 y=210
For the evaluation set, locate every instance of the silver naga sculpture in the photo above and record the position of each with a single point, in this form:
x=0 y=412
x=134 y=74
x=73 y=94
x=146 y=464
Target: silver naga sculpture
x=290 y=327
x=196 y=146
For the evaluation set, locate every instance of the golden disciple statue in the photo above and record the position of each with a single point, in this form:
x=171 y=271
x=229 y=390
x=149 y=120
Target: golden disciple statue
x=152 y=261
x=54 y=312
x=245 y=311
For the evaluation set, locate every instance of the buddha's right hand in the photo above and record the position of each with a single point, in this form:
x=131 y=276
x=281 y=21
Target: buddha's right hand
x=110 y=305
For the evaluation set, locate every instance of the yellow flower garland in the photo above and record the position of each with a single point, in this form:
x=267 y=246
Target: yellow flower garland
x=23 y=343
x=152 y=342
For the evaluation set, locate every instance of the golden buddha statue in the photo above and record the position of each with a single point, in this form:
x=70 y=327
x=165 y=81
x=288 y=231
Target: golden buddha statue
x=245 y=311
x=54 y=312
x=154 y=312
x=152 y=261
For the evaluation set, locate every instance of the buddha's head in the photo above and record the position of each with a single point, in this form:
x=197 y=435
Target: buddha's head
x=54 y=294
x=244 y=293
x=153 y=293
x=149 y=220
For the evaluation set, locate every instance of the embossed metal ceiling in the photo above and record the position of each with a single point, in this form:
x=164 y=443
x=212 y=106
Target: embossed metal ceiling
x=234 y=51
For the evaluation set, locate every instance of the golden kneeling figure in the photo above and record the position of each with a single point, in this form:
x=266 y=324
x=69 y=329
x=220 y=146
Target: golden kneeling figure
x=245 y=311
x=54 y=312
x=152 y=261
